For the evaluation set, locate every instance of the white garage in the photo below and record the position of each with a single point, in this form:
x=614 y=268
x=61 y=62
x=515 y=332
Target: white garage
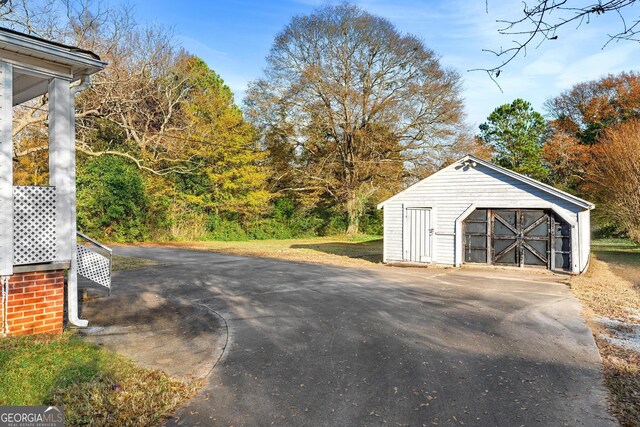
x=473 y=211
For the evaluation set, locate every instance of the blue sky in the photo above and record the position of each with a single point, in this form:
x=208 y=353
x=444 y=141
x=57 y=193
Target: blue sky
x=233 y=37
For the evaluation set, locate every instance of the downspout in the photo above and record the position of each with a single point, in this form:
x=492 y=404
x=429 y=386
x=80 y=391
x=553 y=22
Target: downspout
x=85 y=83
x=72 y=280
x=4 y=281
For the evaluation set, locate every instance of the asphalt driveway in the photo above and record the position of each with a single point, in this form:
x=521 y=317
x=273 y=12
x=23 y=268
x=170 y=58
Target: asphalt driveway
x=300 y=344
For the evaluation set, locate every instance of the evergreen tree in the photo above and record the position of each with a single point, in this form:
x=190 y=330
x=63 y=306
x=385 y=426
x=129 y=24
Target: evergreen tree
x=516 y=133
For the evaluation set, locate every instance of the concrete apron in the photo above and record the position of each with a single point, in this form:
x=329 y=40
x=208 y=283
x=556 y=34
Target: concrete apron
x=183 y=340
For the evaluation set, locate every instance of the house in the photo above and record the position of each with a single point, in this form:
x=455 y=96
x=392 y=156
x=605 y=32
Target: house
x=38 y=224
x=474 y=212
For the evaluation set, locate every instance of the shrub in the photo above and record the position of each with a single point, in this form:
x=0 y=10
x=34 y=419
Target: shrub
x=111 y=200
x=223 y=229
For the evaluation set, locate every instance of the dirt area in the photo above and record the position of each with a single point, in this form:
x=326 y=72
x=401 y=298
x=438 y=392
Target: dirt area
x=362 y=251
x=127 y=263
x=612 y=306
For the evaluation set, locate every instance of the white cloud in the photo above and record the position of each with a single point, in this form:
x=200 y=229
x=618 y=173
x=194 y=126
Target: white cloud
x=609 y=60
x=200 y=48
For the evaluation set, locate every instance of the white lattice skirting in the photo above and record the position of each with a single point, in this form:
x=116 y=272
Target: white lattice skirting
x=34 y=225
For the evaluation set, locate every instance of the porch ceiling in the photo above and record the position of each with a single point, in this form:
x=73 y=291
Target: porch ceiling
x=26 y=87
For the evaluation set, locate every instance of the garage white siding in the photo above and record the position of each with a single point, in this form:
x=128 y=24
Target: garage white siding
x=584 y=227
x=393 y=239
x=451 y=191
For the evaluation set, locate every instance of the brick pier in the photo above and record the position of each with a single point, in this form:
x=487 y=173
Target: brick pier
x=35 y=303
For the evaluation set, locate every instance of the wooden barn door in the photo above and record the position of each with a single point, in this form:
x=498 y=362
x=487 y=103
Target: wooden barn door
x=521 y=237
x=417 y=235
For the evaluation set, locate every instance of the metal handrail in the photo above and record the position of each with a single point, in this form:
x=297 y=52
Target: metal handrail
x=98 y=244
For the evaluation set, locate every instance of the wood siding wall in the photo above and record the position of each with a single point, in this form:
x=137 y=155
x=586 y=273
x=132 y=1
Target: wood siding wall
x=452 y=191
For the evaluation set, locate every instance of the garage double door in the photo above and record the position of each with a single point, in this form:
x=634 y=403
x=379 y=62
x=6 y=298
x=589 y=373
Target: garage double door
x=518 y=237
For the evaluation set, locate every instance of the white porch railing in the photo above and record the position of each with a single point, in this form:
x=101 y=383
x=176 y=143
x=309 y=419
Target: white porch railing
x=34 y=225
x=94 y=265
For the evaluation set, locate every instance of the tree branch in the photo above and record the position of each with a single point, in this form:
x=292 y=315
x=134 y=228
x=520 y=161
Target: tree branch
x=535 y=23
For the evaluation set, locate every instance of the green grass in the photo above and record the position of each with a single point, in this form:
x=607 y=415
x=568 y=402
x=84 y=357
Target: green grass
x=95 y=386
x=617 y=251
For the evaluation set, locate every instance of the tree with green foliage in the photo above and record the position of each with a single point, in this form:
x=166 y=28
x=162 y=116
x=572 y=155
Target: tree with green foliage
x=161 y=110
x=230 y=177
x=516 y=133
x=227 y=181
x=221 y=176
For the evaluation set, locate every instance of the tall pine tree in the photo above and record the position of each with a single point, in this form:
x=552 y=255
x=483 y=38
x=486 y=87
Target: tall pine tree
x=516 y=133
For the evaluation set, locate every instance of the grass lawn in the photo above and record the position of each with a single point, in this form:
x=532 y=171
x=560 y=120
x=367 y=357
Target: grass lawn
x=622 y=255
x=611 y=289
x=95 y=386
x=360 y=251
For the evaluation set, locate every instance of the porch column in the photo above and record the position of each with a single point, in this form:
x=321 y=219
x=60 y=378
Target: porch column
x=62 y=163
x=62 y=174
x=6 y=169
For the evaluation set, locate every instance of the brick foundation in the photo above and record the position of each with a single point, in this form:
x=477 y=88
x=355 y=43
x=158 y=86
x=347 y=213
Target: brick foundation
x=35 y=303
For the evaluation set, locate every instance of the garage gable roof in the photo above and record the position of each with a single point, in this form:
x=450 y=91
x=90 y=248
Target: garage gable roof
x=524 y=179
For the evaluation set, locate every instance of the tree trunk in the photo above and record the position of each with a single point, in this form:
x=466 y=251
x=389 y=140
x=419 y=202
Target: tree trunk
x=353 y=214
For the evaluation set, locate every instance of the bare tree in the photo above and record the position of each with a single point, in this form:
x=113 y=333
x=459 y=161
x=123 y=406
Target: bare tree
x=31 y=17
x=347 y=102
x=138 y=92
x=140 y=95
x=542 y=20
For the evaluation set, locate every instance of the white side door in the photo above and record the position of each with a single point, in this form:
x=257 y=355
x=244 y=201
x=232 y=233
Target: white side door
x=418 y=233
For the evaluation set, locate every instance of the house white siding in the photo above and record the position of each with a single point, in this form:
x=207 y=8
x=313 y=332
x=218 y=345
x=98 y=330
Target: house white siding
x=455 y=189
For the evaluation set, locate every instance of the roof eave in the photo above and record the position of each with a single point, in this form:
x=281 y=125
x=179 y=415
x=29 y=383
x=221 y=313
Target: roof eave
x=85 y=62
x=530 y=181
x=544 y=187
